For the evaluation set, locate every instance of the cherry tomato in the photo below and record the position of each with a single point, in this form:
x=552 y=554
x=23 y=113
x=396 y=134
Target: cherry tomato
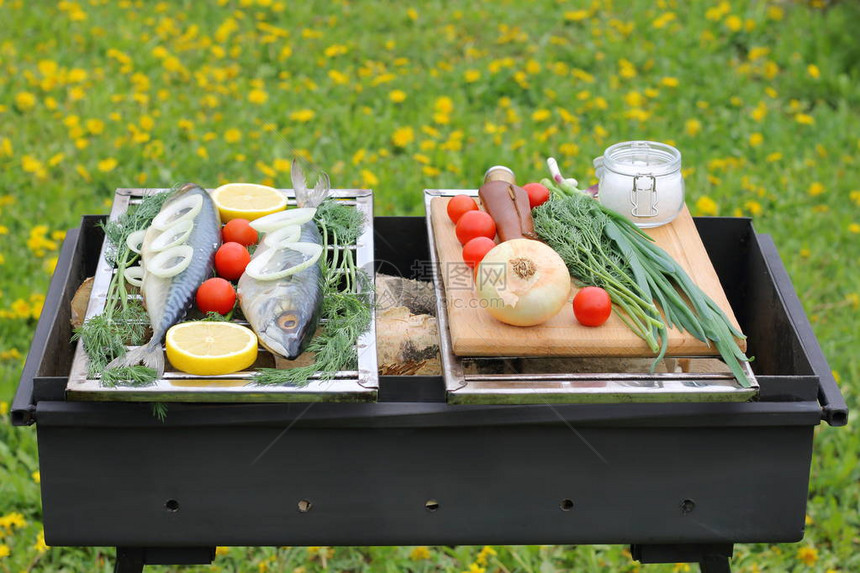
x=239 y=231
x=216 y=295
x=592 y=306
x=459 y=205
x=231 y=260
x=475 y=249
x=538 y=194
x=475 y=224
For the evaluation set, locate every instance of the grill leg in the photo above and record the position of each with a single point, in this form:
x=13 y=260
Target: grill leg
x=128 y=560
x=715 y=564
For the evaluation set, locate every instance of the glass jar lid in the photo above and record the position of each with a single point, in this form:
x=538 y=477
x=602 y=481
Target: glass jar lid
x=642 y=158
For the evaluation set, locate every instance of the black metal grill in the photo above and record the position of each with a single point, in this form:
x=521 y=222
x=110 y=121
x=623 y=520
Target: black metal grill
x=676 y=481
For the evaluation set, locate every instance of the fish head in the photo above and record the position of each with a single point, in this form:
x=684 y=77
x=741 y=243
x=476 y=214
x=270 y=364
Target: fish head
x=286 y=327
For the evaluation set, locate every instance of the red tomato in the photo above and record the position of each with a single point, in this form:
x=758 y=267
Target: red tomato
x=475 y=224
x=239 y=231
x=231 y=260
x=475 y=249
x=216 y=295
x=459 y=205
x=538 y=194
x=592 y=306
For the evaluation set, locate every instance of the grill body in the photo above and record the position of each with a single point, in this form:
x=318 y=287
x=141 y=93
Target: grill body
x=413 y=469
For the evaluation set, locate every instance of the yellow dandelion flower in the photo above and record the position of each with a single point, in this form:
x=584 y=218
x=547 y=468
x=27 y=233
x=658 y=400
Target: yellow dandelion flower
x=430 y=171
x=540 y=115
x=471 y=76
x=232 y=135
x=734 y=23
x=281 y=164
x=706 y=206
x=854 y=228
x=202 y=152
x=576 y=15
x=95 y=126
x=403 y=136
x=634 y=99
x=664 y=20
x=25 y=101
x=775 y=13
x=4 y=550
x=804 y=119
x=4 y=230
x=397 y=96
x=338 y=77
x=773 y=157
x=626 y=69
x=809 y=555
x=681 y=568
x=693 y=127
x=754 y=207
x=412 y=13
x=56 y=159
x=670 y=82
x=222 y=550
x=368 y=179
x=444 y=105
x=335 y=50
x=6 y=147
x=108 y=164
x=258 y=96
x=816 y=189
x=419 y=553
x=855 y=197
x=813 y=71
x=756 y=139
x=358 y=156
x=40 y=546
x=303 y=115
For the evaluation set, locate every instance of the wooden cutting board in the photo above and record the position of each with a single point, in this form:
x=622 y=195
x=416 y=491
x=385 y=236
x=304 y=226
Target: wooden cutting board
x=474 y=332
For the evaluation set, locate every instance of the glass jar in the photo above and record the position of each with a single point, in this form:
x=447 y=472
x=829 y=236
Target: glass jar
x=642 y=181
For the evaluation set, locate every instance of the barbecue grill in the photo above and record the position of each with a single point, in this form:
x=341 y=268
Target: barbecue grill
x=678 y=481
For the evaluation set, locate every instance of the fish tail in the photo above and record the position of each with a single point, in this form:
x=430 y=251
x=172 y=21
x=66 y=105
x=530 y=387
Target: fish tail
x=150 y=355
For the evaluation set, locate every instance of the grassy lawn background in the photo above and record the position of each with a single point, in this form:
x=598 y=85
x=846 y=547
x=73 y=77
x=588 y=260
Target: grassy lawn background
x=761 y=98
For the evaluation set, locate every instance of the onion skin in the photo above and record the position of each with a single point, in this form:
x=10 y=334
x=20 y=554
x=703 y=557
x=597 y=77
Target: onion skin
x=534 y=286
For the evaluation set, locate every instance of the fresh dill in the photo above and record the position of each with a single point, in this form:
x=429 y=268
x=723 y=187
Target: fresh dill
x=347 y=302
x=124 y=320
x=159 y=410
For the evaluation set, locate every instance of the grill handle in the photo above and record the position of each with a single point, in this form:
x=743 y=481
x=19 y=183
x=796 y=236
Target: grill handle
x=24 y=403
x=834 y=410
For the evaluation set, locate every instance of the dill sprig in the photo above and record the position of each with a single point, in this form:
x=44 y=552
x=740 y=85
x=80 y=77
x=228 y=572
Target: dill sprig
x=347 y=294
x=123 y=321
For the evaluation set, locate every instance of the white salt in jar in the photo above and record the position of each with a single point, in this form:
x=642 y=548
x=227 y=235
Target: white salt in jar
x=642 y=181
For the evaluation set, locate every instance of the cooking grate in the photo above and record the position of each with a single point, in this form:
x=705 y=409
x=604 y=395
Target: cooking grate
x=176 y=386
x=519 y=380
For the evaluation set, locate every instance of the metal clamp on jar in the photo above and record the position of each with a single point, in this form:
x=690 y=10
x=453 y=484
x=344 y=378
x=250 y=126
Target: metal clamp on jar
x=642 y=181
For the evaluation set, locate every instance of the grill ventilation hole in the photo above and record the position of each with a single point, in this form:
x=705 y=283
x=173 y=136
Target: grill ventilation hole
x=566 y=504
x=305 y=506
x=171 y=505
x=431 y=505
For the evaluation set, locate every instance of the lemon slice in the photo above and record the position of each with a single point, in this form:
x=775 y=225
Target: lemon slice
x=247 y=201
x=210 y=348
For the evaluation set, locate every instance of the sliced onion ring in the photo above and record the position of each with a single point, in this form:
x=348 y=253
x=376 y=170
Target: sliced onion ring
x=185 y=208
x=163 y=266
x=173 y=235
x=257 y=268
x=135 y=241
x=284 y=235
x=280 y=219
x=134 y=275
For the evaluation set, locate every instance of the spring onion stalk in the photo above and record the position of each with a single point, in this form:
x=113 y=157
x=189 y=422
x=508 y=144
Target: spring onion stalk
x=603 y=248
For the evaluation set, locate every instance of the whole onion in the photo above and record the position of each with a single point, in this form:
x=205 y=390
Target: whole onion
x=522 y=282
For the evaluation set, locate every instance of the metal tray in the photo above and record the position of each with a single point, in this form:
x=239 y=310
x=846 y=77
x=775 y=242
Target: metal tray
x=593 y=387
x=176 y=386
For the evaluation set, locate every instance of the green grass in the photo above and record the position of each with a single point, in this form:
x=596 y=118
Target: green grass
x=98 y=95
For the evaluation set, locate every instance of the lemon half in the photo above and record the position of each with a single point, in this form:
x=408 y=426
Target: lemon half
x=210 y=348
x=247 y=201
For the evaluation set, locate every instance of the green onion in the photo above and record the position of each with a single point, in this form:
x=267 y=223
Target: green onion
x=603 y=248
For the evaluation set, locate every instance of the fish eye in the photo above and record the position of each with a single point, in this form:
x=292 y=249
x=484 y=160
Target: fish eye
x=288 y=321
